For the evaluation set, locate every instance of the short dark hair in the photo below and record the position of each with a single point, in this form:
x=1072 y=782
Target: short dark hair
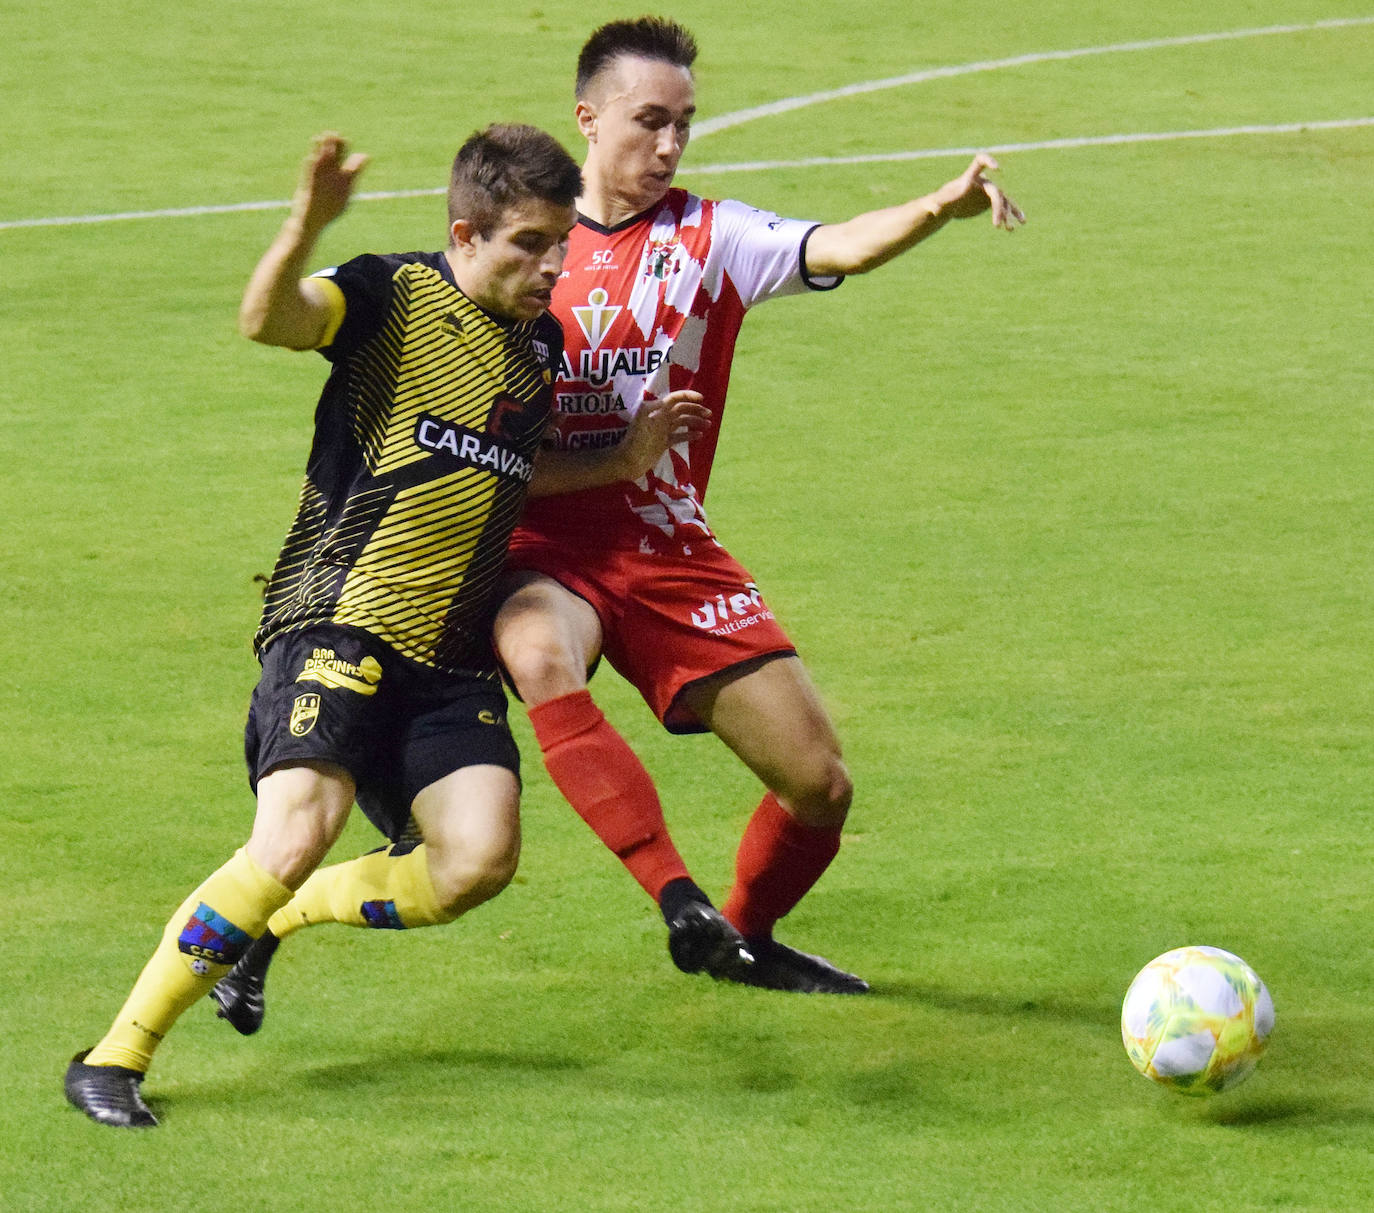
x=647 y=37
x=499 y=167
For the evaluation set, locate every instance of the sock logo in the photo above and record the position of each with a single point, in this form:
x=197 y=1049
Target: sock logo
x=147 y=1031
x=382 y=915
x=304 y=713
x=210 y=936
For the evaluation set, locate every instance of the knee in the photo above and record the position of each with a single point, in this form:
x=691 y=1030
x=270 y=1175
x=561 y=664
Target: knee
x=546 y=638
x=471 y=875
x=822 y=793
x=292 y=852
x=491 y=871
x=837 y=789
x=542 y=668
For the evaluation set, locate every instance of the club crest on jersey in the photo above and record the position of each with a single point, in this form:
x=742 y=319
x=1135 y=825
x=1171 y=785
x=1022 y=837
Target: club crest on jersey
x=596 y=316
x=661 y=260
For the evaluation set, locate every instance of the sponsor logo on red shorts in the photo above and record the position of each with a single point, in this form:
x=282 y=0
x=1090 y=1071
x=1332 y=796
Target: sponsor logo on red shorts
x=725 y=614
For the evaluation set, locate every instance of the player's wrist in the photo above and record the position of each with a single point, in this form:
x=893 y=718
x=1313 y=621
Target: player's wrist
x=303 y=225
x=936 y=206
x=621 y=464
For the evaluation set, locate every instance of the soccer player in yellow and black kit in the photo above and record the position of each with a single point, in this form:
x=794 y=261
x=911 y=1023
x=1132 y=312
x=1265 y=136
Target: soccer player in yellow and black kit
x=378 y=677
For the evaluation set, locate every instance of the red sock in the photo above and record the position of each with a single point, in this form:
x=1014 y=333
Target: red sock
x=600 y=776
x=779 y=859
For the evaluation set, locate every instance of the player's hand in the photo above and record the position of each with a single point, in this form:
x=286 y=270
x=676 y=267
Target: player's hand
x=328 y=177
x=971 y=193
x=658 y=426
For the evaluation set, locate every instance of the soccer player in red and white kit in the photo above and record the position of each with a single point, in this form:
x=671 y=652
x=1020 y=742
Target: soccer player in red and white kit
x=654 y=288
x=655 y=285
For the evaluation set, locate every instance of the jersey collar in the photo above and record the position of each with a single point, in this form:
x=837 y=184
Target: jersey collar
x=603 y=230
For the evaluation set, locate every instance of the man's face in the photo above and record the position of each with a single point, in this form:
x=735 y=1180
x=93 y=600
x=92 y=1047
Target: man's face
x=511 y=272
x=637 y=116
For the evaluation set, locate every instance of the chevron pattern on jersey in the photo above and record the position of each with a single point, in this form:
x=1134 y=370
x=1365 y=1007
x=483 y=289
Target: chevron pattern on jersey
x=416 y=483
x=438 y=353
x=288 y=588
x=405 y=583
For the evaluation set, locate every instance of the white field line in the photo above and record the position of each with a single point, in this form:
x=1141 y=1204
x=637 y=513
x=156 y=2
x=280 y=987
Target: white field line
x=1221 y=132
x=183 y=212
x=740 y=117
x=755 y=166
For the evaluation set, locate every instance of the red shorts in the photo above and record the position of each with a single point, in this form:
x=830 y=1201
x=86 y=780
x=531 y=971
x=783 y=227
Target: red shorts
x=667 y=622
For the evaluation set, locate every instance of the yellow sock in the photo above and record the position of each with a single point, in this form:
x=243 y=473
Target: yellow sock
x=210 y=930
x=380 y=889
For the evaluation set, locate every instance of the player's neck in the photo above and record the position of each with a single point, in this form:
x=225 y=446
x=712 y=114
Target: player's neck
x=604 y=204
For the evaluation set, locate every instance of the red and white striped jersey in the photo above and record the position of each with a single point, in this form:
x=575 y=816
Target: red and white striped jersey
x=649 y=307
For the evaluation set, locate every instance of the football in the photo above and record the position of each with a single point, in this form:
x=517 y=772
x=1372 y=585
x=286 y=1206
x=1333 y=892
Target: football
x=1196 y=1020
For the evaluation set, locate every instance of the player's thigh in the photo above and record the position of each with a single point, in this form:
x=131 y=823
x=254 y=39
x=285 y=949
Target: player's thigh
x=317 y=718
x=301 y=812
x=772 y=717
x=470 y=822
x=546 y=636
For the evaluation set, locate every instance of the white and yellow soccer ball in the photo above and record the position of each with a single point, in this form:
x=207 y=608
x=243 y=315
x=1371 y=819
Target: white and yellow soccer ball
x=1196 y=1020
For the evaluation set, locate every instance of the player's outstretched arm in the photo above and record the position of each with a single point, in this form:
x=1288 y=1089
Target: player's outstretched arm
x=280 y=306
x=869 y=240
x=654 y=429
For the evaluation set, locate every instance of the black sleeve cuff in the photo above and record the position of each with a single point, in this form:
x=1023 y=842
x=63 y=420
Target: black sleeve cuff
x=816 y=284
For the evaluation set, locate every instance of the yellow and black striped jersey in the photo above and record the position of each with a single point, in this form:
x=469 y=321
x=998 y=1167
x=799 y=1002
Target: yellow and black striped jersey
x=425 y=437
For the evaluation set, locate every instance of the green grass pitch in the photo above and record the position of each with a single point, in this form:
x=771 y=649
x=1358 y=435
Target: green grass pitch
x=1072 y=526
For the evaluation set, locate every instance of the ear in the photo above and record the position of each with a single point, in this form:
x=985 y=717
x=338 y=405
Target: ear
x=462 y=236
x=586 y=120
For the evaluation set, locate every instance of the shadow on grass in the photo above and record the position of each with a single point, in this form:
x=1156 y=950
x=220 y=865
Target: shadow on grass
x=381 y=1069
x=1009 y=1005
x=392 y=1065
x=1279 y=1112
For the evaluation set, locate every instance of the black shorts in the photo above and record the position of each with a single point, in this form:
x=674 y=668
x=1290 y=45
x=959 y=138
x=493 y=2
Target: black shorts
x=342 y=696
